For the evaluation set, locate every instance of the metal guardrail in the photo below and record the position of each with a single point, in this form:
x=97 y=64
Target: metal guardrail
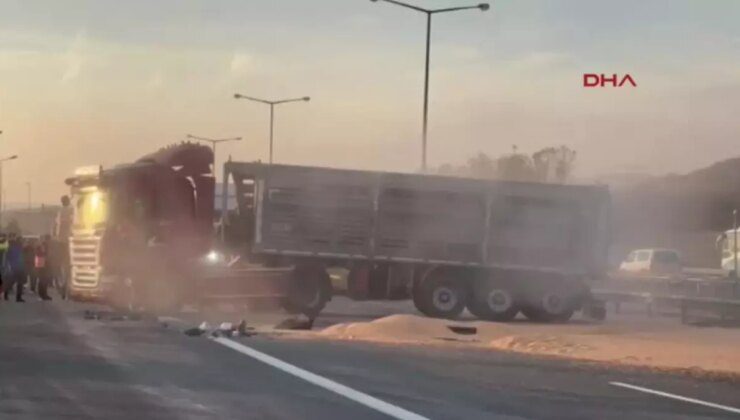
x=719 y=295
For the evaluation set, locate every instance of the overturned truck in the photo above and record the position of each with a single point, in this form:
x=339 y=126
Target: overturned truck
x=496 y=248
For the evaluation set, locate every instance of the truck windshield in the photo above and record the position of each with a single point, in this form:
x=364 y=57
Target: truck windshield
x=91 y=209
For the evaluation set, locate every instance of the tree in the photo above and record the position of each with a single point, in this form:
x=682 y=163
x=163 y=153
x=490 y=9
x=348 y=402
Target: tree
x=550 y=164
x=481 y=166
x=13 y=227
x=553 y=164
x=515 y=167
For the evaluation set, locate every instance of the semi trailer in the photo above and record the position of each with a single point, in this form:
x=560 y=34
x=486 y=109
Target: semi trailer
x=497 y=248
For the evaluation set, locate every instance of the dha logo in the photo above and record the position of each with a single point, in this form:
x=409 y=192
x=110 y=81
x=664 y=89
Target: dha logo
x=601 y=80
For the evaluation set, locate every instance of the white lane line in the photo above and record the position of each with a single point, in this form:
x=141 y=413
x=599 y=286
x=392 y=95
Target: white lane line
x=677 y=397
x=328 y=384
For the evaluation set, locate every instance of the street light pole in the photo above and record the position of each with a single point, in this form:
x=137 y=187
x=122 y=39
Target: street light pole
x=272 y=111
x=272 y=128
x=429 y=12
x=426 y=95
x=213 y=142
x=734 y=244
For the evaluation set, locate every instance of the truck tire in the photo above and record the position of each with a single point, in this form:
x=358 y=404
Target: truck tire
x=309 y=290
x=494 y=300
x=551 y=307
x=442 y=293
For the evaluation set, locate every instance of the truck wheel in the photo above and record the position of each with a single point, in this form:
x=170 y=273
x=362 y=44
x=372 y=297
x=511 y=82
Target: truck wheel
x=309 y=290
x=441 y=294
x=551 y=307
x=494 y=301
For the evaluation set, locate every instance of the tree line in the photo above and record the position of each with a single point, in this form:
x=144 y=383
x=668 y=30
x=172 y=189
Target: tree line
x=551 y=164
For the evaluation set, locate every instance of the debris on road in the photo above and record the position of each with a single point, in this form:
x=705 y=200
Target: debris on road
x=296 y=323
x=199 y=330
x=224 y=329
x=194 y=332
x=244 y=331
x=111 y=315
x=463 y=329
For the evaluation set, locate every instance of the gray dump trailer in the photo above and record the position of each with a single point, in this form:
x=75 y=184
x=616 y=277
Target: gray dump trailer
x=448 y=243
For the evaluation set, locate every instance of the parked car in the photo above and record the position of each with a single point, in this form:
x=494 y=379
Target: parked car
x=653 y=261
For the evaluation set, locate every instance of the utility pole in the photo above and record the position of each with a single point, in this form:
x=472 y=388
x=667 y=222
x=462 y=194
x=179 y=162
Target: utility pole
x=734 y=244
x=429 y=12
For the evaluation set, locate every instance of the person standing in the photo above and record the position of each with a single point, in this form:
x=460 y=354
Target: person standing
x=29 y=249
x=63 y=223
x=59 y=257
x=41 y=267
x=14 y=268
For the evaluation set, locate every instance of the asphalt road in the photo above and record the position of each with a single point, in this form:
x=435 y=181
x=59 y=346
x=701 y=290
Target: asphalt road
x=54 y=363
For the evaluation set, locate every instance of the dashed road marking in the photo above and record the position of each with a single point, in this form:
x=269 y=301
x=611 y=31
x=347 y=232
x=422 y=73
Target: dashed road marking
x=328 y=384
x=677 y=397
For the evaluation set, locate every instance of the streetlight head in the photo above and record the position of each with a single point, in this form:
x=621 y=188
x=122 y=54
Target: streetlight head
x=13 y=157
x=237 y=96
x=374 y=1
x=484 y=6
x=308 y=98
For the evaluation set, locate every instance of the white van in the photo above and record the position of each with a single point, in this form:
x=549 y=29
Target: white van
x=653 y=261
x=726 y=242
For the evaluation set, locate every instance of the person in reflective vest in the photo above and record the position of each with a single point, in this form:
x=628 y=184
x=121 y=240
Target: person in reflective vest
x=14 y=268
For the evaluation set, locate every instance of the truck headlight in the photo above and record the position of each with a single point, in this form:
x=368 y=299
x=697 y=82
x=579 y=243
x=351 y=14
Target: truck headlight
x=214 y=257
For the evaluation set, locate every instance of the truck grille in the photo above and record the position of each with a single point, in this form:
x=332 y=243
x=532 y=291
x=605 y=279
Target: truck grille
x=84 y=254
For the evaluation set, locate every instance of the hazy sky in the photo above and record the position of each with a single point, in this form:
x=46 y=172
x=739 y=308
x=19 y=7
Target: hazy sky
x=103 y=81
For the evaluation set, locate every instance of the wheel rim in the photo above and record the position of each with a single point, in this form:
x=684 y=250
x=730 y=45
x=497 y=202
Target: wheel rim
x=553 y=303
x=444 y=298
x=308 y=296
x=499 y=300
